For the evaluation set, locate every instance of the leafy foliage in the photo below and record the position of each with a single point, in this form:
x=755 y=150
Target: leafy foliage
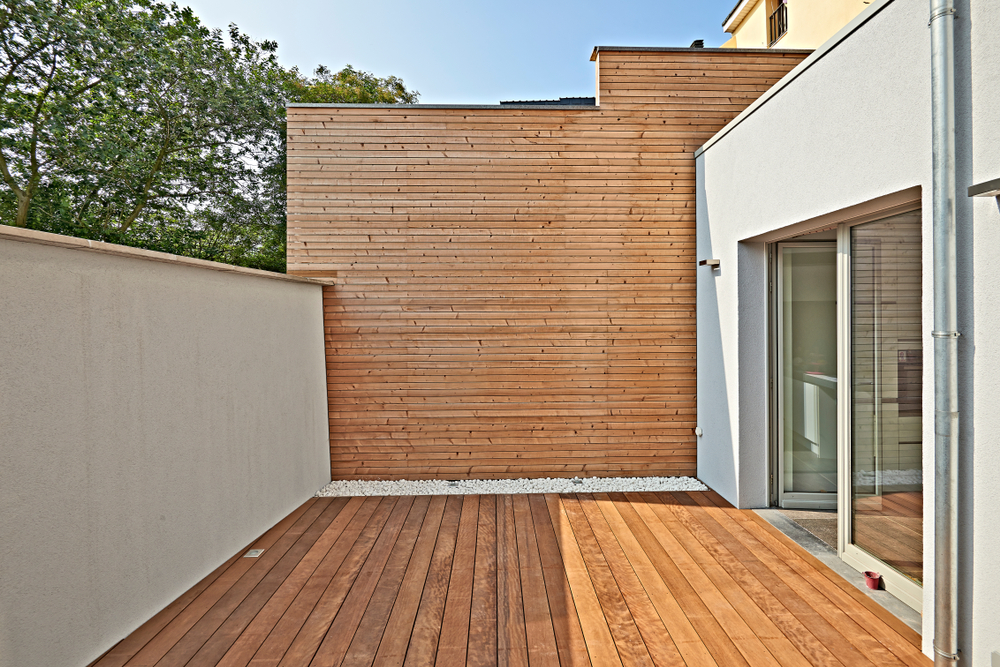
x=128 y=121
x=348 y=86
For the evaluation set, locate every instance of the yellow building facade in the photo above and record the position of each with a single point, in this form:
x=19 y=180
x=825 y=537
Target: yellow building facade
x=788 y=24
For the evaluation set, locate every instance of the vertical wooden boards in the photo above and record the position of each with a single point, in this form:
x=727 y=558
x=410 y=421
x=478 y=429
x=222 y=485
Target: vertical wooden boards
x=513 y=289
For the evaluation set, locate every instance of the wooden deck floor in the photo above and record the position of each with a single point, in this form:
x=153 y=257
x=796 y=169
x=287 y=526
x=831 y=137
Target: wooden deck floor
x=620 y=579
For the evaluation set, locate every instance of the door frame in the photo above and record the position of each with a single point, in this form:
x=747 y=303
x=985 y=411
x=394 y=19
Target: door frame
x=794 y=500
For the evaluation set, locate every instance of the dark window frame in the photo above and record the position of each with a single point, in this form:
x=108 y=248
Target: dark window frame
x=777 y=23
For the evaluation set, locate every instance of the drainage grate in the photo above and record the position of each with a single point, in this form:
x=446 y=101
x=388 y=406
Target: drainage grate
x=253 y=553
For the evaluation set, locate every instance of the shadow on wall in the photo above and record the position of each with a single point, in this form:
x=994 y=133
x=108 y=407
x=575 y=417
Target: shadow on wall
x=751 y=311
x=717 y=464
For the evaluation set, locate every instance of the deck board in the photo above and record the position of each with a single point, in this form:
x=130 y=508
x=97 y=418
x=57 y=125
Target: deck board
x=574 y=580
x=454 y=637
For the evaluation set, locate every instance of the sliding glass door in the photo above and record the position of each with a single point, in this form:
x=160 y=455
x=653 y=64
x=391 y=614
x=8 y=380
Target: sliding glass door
x=848 y=394
x=885 y=510
x=807 y=375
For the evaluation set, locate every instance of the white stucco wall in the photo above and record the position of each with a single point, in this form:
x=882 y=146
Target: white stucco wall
x=842 y=133
x=155 y=418
x=850 y=125
x=981 y=263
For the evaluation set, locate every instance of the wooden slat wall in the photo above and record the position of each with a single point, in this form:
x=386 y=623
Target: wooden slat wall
x=514 y=288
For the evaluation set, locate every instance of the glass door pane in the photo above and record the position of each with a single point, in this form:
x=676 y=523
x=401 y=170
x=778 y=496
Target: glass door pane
x=886 y=392
x=807 y=359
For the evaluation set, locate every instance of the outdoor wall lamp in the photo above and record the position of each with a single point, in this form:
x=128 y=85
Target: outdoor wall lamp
x=714 y=263
x=986 y=189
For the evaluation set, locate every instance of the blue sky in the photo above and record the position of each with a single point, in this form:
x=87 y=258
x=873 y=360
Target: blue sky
x=461 y=52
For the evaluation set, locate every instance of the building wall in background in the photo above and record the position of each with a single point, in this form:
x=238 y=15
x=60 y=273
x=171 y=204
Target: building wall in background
x=751 y=31
x=155 y=417
x=810 y=23
x=514 y=287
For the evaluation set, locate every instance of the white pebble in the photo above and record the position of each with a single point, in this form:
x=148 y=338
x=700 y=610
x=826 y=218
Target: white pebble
x=507 y=486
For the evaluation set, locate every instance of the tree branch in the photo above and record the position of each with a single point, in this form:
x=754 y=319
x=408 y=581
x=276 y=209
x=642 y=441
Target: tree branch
x=20 y=61
x=144 y=197
x=8 y=178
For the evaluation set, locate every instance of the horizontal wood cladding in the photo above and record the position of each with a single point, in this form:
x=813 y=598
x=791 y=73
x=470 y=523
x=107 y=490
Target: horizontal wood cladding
x=513 y=289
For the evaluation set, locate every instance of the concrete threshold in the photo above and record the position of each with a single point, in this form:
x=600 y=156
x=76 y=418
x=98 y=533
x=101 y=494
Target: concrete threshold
x=822 y=551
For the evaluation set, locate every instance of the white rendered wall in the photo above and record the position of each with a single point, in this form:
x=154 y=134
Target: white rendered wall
x=851 y=126
x=155 y=418
x=980 y=264
x=842 y=133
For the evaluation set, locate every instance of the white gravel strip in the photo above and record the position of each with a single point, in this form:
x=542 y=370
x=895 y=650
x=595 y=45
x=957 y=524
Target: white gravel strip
x=507 y=486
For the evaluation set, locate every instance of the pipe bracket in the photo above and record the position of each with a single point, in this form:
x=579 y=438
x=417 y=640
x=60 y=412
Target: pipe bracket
x=947 y=656
x=938 y=13
x=945 y=334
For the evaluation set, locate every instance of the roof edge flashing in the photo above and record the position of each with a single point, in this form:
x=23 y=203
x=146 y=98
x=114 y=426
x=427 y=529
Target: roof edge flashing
x=738 y=13
x=692 y=50
x=416 y=107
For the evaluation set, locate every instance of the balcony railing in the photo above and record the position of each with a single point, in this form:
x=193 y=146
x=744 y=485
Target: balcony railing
x=777 y=23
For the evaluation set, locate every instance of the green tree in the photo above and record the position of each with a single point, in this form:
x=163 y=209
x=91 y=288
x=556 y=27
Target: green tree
x=348 y=86
x=52 y=59
x=130 y=122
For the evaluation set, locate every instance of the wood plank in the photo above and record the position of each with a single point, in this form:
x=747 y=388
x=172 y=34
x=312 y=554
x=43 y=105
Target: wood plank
x=482 y=649
x=621 y=619
x=655 y=636
x=267 y=644
x=596 y=631
x=717 y=640
x=215 y=643
x=339 y=634
x=512 y=643
x=838 y=631
x=423 y=642
x=665 y=579
x=676 y=623
x=372 y=626
x=540 y=640
x=669 y=534
x=312 y=565
x=453 y=643
x=400 y=624
x=902 y=640
x=791 y=636
x=570 y=642
x=302 y=626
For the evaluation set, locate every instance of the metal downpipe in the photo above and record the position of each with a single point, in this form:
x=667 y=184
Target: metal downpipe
x=945 y=334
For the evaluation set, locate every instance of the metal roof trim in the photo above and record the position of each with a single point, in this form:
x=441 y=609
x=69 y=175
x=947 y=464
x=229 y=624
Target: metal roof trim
x=713 y=50
x=563 y=107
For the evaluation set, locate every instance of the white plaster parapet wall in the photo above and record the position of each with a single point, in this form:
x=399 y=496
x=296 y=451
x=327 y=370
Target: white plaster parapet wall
x=850 y=125
x=157 y=414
